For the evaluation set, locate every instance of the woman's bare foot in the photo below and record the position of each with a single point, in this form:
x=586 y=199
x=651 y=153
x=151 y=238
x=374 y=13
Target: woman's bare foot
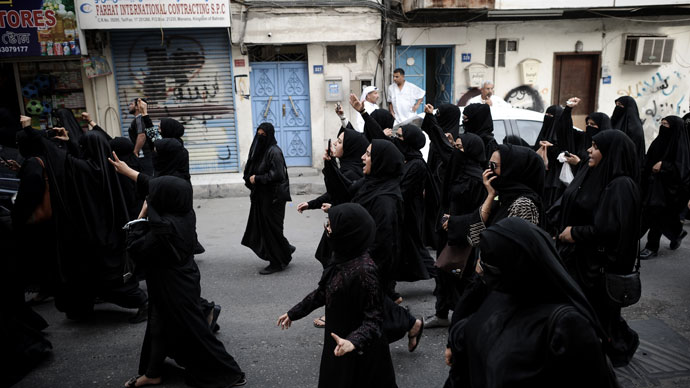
x=142 y=381
x=414 y=335
x=320 y=322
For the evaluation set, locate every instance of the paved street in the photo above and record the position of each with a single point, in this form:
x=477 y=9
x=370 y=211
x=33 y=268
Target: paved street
x=105 y=351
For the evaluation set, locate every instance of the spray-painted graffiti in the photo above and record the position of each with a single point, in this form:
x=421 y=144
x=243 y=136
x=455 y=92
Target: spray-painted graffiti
x=663 y=94
x=183 y=79
x=525 y=97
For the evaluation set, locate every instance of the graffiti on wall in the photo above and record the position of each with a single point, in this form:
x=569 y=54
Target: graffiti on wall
x=525 y=97
x=663 y=94
x=182 y=79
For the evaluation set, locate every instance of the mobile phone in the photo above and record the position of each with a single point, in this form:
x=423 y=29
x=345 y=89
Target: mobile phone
x=338 y=106
x=329 y=148
x=444 y=219
x=566 y=153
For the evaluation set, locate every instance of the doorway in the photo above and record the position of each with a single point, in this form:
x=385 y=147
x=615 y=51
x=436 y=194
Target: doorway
x=280 y=96
x=430 y=68
x=577 y=75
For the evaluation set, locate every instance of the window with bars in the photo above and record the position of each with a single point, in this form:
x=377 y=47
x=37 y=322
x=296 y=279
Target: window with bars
x=490 y=57
x=341 y=54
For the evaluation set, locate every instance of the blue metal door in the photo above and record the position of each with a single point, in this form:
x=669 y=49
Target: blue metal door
x=444 y=75
x=280 y=96
x=413 y=61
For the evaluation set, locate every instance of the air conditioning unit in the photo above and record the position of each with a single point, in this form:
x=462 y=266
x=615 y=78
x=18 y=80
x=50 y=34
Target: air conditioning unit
x=647 y=50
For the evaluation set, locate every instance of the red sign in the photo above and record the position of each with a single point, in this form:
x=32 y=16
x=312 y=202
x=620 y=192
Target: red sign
x=239 y=63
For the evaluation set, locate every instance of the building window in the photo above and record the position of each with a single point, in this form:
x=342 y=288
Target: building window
x=341 y=54
x=490 y=57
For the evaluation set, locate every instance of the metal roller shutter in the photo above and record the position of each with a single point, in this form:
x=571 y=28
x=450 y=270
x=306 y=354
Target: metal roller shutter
x=185 y=75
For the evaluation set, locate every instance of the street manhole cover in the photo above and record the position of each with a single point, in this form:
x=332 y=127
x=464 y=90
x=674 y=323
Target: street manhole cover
x=663 y=354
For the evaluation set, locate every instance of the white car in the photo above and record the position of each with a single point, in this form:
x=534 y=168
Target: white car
x=522 y=123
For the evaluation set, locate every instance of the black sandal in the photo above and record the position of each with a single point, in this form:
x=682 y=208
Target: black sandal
x=418 y=336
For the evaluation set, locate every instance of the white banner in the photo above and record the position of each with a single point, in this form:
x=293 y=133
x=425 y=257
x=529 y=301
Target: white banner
x=140 y=14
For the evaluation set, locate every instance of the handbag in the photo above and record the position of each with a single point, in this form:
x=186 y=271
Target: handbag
x=453 y=258
x=624 y=290
x=44 y=210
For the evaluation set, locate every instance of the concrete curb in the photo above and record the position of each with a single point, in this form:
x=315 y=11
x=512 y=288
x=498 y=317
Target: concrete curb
x=226 y=185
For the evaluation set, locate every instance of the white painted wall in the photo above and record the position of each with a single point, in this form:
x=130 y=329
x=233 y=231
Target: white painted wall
x=103 y=105
x=540 y=39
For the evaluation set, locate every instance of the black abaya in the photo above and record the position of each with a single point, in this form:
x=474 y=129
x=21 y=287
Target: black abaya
x=177 y=325
x=269 y=193
x=480 y=123
x=535 y=328
x=602 y=205
x=124 y=149
x=627 y=119
x=350 y=290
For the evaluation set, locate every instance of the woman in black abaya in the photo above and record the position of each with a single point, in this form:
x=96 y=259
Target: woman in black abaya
x=626 y=118
x=177 y=326
x=348 y=149
x=171 y=157
x=355 y=351
x=463 y=192
x=600 y=223
x=266 y=176
x=535 y=328
x=477 y=119
x=124 y=149
x=666 y=185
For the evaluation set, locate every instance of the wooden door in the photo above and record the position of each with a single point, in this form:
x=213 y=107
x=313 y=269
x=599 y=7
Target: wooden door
x=577 y=75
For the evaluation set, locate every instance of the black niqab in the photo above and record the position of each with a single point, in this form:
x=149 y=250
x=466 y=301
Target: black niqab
x=352 y=231
x=170 y=213
x=413 y=141
x=171 y=128
x=672 y=145
x=354 y=146
x=627 y=119
x=258 y=148
x=448 y=118
x=67 y=120
x=548 y=129
x=479 y=121
x=383 y=117
x=464 y=165
x=171 y=158
x=522 y=175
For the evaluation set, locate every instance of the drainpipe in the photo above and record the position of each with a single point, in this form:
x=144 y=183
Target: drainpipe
x=387 y=45
x=496 y=51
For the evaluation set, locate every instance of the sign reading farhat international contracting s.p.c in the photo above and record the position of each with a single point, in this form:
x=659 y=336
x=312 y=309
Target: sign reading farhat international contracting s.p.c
x=138 y=14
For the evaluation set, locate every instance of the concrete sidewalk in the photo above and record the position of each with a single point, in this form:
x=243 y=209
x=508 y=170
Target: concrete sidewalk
x=303 y=180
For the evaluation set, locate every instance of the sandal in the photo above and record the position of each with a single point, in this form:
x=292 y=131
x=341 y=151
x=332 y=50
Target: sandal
x=320 y=322
x=418 y=337
x=132 y=383
x=240 y=382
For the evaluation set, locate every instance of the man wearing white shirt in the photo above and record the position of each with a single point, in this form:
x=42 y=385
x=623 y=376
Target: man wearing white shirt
x=403 y=97
x=487 y=97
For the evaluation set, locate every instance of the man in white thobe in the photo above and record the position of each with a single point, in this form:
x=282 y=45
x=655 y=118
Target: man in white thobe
x=404 y=98
x=487 y=97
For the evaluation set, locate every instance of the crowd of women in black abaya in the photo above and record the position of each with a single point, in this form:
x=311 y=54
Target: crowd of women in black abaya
x=543 y=228
x=70 y=193
x=534 y=233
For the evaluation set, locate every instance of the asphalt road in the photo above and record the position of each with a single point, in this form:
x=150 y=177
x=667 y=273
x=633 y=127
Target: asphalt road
x=104 y=352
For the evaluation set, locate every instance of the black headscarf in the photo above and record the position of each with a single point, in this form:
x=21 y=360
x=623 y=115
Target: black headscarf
x=352 y=231
x=384 y=177
x=522 y=175
x=516 y=140
x=413 y=141
x=67 y=120
x=383 y=117
x=603 y=121
x=673 y=146
x=464 y=165
x=354 y=146
x=618 y=159
x=124 y=149
x=171 y=214
x=171 y=158
x=171 y=128
x=547 y=131
x=627 y=119
x=479 y=121
x=259 y=146
x=530 y=267
x=448 y=118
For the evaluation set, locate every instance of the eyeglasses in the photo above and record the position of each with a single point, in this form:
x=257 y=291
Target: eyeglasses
x=493 y=165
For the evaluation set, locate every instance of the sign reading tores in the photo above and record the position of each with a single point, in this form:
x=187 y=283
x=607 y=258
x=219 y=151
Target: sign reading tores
x=38 y=28
x=137 y=14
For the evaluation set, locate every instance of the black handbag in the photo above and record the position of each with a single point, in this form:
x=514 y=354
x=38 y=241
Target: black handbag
x=453 y=258
x=624 y=290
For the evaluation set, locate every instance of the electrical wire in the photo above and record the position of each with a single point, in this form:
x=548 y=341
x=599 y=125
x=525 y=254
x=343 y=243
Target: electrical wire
x=637 y=20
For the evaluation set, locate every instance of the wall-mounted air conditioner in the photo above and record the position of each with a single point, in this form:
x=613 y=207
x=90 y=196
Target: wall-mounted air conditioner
x=647 y=50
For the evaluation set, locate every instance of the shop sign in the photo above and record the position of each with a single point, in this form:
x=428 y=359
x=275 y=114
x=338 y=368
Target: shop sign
x=138 y=14
x=38 y=28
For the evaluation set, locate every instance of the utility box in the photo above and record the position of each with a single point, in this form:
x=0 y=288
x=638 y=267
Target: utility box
x=334 y=89
x=529 y=71
x=476 y=73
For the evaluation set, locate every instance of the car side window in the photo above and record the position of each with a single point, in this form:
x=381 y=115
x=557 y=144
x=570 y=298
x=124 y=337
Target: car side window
x=499 y=131
x=528 y=130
